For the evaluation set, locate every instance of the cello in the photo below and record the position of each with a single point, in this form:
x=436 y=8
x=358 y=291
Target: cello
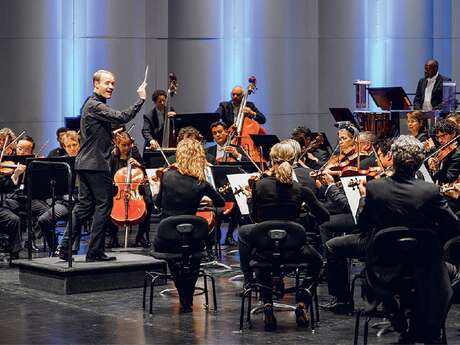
x=129 y=207
x=245 y=126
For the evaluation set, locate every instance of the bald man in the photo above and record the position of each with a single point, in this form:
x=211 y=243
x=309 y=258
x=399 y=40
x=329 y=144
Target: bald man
x=429 y=89
x=229 y=110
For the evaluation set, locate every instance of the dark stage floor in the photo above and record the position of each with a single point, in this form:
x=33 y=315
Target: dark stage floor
x=115 y=317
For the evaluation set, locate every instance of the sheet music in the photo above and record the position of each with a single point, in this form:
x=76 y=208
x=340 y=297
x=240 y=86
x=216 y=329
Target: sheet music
x=154 y=186
x=240 y=182
x=425 y=173
x=352 y=193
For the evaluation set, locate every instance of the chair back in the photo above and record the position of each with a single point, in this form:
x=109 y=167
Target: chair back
x=278 y=211
x=395 y=253
x=275 y=240
x=178 y=233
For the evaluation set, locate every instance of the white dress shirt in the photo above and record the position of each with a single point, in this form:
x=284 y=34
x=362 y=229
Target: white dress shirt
x=428 y=92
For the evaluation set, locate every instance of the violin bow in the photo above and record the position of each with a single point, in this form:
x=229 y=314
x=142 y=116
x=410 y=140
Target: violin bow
x=252 y=161
x=439 y=149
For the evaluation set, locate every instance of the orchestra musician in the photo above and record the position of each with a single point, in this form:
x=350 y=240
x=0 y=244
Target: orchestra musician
x=366 y=141
x=71 y=144
x=222 y=147
x=228 y=111
x=447 y=169
x=25 y=146
x=398 y=200
x=279 y=188
x=154 y=121
x=315 y=155
x=182 y=188
x=60 y=150
x=119 y=159
x=454 y=117
x=416 y=126
x=92 y=164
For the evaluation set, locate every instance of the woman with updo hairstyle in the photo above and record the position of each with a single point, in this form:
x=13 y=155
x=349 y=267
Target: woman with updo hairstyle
x=272 y=195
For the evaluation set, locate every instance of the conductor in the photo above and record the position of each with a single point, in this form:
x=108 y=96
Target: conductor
x=92 y=164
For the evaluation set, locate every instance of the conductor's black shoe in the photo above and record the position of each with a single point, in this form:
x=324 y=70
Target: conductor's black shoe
x=63 y=254
x=100 y=257
x=339 y=307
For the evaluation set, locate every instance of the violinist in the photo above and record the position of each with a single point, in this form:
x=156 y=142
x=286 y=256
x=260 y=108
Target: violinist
x=182 y=188
x=93 y=164
x=190 y=132
x=366 y=141
x=416 y=126
x=154 y=121
x=25 y=146
x=312 y=151
x=399 y=200
x=119 y=159
x=228 y=111
x=223 y=150
x=455 y=118
x=301 y=171
x=271 y=196
x=445 y=164
x=60 y=150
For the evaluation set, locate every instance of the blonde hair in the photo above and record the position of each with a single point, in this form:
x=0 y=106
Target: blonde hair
x=295 y=145
x=282 y=156
x=72 y=135
x=191 y=159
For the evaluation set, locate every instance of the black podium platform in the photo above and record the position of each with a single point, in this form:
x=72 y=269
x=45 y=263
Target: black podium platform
x=53 y=275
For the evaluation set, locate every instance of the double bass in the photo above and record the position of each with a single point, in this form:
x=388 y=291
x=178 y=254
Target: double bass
x=245 y=126
x=168 y=138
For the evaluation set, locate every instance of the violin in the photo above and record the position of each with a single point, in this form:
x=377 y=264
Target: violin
x=440 y=154
x=312 y=146
x=451 y=190
x=8 y=167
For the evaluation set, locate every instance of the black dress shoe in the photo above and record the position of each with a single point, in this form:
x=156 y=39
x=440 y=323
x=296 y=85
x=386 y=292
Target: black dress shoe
x=101 y=257
x=63 y=254
x=140 y=242
x=338 y=306
x=269 y=318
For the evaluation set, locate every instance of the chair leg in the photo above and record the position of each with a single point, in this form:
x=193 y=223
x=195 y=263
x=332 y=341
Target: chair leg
x=366 y=330
x=246 y=293
x=214 y=295
x=144 y=290
x=358 y=317
x=315 y=297
x=206 y=295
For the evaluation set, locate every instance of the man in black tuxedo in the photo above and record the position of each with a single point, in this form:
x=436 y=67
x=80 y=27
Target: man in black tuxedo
x=92 y=164
x=223 y=150
x=229 y=110
x=399 y=200
x=152 y=130
x=429 y=89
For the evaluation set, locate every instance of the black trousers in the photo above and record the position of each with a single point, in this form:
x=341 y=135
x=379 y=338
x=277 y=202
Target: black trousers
x=95 y=198
x=10 y=225
x=338 y=250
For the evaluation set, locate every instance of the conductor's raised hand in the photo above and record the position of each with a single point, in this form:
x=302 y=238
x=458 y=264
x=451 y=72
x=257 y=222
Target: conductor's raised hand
x=141 y=90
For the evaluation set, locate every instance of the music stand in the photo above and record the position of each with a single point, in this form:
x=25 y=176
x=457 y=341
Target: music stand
x=154 y=159
x=56 y=177
x=390 y=98
x=265 y=142
x=72 y=123
x=219 y=174
x=201 y=121
x=341 y=115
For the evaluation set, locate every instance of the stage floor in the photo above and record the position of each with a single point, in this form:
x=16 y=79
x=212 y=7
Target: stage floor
x=116 y=317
